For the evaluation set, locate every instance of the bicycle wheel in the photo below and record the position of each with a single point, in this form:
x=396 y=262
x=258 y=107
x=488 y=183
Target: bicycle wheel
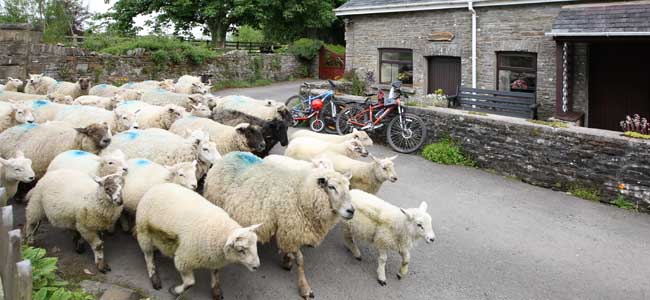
x=408 y=137
x=297 y=106
x=327 y=118
x=344 y=117
x=317 y=125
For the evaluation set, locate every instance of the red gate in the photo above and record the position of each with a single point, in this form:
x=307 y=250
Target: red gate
x=330 y=64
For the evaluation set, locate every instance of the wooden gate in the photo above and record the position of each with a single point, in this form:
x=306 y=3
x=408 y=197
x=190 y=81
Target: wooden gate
x=330 y=64
x=443 y=73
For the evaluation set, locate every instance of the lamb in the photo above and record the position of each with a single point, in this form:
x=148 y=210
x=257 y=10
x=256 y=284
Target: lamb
x=73 y=89
x=12 y=85
x=192 y=88
x=145 y=174
x=14 y=113
x=272 y=116
x=71 y=199
x=151 y=116
x=13 y=171
x=243 y=137
x=201 y=110
x=305 y=148
x=166 y=148
x=362 y=136
x=195 y=233
x=91 y=164
x=42 y=142
x=108 y=103
x=82 y=116
x=60 y=98
x=288 y=162
x=45 y=110
x=167 y=84
x=39 y=84
x=386 y=227
x=366 y=176
x=189 y=79
x=298 y=207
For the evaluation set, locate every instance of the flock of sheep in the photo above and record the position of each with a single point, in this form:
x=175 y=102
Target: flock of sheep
x=139 y=153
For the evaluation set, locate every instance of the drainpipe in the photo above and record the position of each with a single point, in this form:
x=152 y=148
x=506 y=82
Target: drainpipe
x=470 y=6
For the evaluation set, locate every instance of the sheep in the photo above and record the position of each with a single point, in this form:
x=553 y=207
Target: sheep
x=81 y=116
x=45 y=110
x=91 y=164
x=60 y=98
x=163 y=97
x=14 y=113
x=108 y=103
x=193 y=88
x=166 y=148
x=73 y=89
x=71 y=199
x=130 y=94
x=201 y=110
x=104 y=90
x=195 y=233
x=189 y=79
x=272 y=116
x=6 y=96
x=42 y=142
x=12 y=172
x=297 y=206
x=305 y=148
x=145 y=174
x=362 y=136
x=285 y=161
x=12 y=85
x=366 y=176
x=243 y=137
x=386 y=227
x=167 y=84
x=39 y=84
x=151 y=116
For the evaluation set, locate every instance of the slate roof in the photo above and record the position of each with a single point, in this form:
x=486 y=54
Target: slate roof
x=604 y=18
x=371 y=3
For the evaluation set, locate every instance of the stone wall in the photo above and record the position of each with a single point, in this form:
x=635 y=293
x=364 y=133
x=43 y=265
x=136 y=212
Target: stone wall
x=558 y=158
x=505 y=28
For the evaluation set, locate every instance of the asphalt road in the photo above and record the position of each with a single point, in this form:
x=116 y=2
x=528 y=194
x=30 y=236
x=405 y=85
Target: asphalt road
x=496 y=239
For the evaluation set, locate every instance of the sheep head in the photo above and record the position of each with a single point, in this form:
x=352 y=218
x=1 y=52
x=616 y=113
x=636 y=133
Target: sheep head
x=111 y=186
x=84 y=83
x=98 y=136
x=362 y=137
x=184 y=174
x=35 y=79
x=337 y=188
x=418 y=223
x=241 y=247
x=201 y=111
x=18 y=168
x=252 y=135
x=22 y=112
x=355 y=149
x=384 y=169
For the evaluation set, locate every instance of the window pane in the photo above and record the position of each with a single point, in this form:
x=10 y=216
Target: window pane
x=517 y=61
x=517 y=81
x=395 y=55
x=388 y=73
x=405 y=74
x=389 y=55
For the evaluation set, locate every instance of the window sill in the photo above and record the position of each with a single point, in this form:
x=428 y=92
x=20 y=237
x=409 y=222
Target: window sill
x=406 y=89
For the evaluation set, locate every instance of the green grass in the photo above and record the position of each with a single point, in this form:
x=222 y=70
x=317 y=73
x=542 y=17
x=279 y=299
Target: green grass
x=621 y=202
x=586 y=193
x=447 y=152
x=637 y=135
x=554 y=124
x=228 y=84
x=337 y=49
x=414 y=104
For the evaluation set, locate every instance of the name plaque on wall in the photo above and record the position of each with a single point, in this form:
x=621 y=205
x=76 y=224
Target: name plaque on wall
x=440 y=36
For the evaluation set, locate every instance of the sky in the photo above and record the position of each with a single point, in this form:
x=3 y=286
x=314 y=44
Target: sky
x=98 y=6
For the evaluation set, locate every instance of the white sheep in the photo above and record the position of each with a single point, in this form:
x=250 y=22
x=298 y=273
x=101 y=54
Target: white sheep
x=189 y=79
x=366 y=176
x=14 y=113
x=71 y=199
x=183 y=225
x=108 y=103
x=193 y=88
x=153 y=116
x=39 y=84
x=12 y=172
x=17 y=96
x=45 y=110
x=362 y=136
x=243 y=137
x=306 y=148
x=163 y=97
x=42 y=142
x=166 y=148
x=201 y=110
x=386 y=227
x=82 y=116
x=167 y=84
x=91 y=164
x=297 y=206
x=73 y=89
x=60 y=98
x=12 y=85
x=130 y=94
x=104 y=90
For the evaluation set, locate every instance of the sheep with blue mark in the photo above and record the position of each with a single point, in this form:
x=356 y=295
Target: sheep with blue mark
x=243 y=137
x=45 y=110
x=167 y=84
x=12 y=172
x=91 y=164
x=73 y=89
x=14 y=113
x=163 y=97
x=81 y=116
x=42 y=143
x=297 y=206
x=166 y=148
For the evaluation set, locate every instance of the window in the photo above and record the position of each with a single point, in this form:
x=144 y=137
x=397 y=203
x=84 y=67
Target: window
x=395 y=64
x=517 y=71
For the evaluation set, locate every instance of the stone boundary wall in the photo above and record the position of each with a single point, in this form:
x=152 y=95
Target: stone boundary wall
x=557 y=158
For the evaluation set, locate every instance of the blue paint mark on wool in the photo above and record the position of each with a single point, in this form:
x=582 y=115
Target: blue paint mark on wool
x=131 y=135
x=130 y=84
x=160 y=91
x=102 y=86
x=28 y=126
x=247 y=158
x=142 y=162
x=39 y=103
x=78 y=153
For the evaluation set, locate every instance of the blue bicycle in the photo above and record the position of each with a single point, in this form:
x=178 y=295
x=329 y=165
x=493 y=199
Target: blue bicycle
x=321 y=110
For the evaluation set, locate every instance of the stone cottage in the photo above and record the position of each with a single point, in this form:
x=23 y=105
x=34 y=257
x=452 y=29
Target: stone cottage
x=586 y=61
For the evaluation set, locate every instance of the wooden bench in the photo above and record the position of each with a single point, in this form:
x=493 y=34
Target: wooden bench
x=513 y=104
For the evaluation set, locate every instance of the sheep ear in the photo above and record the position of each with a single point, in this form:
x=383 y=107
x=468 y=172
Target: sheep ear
x=3 y=161
x=252 y=228
x=99 y=179
x=322 y=182
x=406 y=213
x=82 y=130
x=195 y=163
x=347 y=174
x=241 y=128
x=392 y=157
x=423 y=206
x=20 y=154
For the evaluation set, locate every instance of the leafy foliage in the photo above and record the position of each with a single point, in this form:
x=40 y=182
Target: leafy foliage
x=306 y=49
x=46 y=285
x=337 y=49
x=247 y=33
x=59 y=18
x=447 y=152
x=358 y=85
x=621 y=202
x=583 y=192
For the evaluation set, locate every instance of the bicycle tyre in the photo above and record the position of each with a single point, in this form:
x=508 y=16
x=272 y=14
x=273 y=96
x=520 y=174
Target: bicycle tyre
x=416 y=133
x=342 y=125
x=329 y=121
x=295 y=102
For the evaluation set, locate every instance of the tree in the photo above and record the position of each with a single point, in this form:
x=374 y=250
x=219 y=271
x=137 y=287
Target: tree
x=18 y=11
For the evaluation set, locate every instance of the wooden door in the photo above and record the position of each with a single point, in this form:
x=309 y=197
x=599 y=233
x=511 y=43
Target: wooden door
x=444 y=73
x=619 y=83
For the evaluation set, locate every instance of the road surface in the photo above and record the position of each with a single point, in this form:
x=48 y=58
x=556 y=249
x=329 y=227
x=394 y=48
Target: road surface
x=496 y=239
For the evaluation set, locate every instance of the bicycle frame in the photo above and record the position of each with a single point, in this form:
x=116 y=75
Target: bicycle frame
x=369 y=112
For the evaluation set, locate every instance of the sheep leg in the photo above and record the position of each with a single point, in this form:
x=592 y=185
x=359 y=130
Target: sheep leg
x=287 y=261
x=97 y=245
x=30 y=230
x=217 y=294
x=381 y=268
x=349 y=242
x=124 y=222
x=303 y=285
x=188 y=281
x=406 y=259
x=78 y=242
x=147 y=248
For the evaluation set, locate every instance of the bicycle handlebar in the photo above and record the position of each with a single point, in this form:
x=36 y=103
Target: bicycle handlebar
x=332 y=84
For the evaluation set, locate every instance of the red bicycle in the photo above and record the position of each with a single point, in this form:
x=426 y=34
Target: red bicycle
x=405 y=132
